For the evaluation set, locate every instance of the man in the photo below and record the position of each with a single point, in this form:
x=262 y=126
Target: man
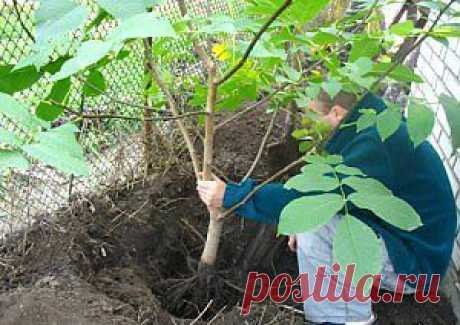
x=416 y=175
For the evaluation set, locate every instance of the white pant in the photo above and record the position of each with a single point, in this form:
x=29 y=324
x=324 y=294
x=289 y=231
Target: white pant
x=314 y=249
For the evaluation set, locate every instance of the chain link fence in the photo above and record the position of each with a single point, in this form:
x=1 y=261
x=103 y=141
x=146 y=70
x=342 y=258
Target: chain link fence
x=114 y=148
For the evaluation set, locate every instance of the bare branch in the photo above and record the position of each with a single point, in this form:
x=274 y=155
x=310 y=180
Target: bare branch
x=261 y=147
x=401 y=12
x=418 y=23
x=173 y=108
x=21 y=22
x=253 y=43
x=123 y=117
x=259 y=186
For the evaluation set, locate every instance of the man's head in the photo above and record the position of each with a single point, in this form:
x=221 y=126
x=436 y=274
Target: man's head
x=333 y=110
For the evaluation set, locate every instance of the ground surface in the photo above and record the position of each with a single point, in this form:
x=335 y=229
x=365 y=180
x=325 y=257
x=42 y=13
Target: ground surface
x=122 y=258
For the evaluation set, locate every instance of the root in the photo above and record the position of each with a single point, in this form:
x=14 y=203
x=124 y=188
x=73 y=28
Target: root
x=204 y=285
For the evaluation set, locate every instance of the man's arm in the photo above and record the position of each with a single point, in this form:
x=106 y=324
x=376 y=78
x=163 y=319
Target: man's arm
x=264 y=206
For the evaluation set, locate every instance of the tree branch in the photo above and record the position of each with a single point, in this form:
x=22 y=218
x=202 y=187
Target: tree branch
x=268 y=180
x=21 y=22
x=401 y=12
x=261 y=147
x=173 y=108
x=151 y=119
x=253 y=43
x=123 y=117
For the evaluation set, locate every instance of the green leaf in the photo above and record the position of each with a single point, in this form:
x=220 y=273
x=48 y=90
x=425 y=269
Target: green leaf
x=55 y=19
x=39 y=56
x=18 y=113
x=420 y=122
x=49 y=111
x=17 y=80
x=317 y=168
x=122 y=9
x=446 y=30
x=324 y=38
x=400 y=73
x=89 y=53
x=95 y=84
x=366 y=185
x=263 y=50
x=388 y=123
x=301 y=12
x=452 y=109
x=332 y=87
x=292 y=73
x=309 y=213
x=367 y=119
x=365 y=47
x=405 y=28
x=347 y=170
x=142 y=26
x=390 y=208
x=308 y=182
x=329 y=159
x=60 y=149
x=220 y=24
x=356 y=243
x=13 y=159
x=358 y=70
x=9 y=138
x=361 y=66
x=56 y=65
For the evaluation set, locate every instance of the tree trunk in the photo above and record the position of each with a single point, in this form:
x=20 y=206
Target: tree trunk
x=209 y=255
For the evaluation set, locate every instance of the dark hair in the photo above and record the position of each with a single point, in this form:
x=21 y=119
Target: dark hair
x=345 y=99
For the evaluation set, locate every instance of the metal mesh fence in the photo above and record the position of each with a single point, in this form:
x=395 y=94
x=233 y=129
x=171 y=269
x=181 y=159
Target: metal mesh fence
x=114 y=148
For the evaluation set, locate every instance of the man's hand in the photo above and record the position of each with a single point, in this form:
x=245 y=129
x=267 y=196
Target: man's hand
x=292 y=243
x=212 y=192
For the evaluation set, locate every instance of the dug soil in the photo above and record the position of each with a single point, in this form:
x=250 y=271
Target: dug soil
x=130 y=256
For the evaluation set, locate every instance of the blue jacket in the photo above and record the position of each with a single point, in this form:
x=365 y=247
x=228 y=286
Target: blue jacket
x=415 y=175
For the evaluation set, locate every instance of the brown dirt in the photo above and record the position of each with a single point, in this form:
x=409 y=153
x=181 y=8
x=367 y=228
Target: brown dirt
x=116 y=258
